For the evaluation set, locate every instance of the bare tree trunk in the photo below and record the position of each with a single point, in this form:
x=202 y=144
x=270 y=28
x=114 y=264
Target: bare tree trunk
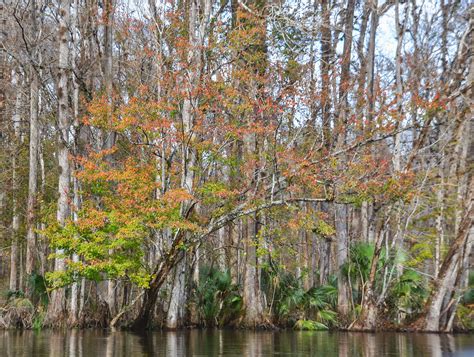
x=439 y=219
x=341 y=216
x=4 y=74
x=235 y=253
x=198 y=22
x=444 y=37
x=461 y=278
x=464 y=153
x=430 y=320
x=13 y=285
x=397 y=155
x=32 y=179
x=362 y=56
x=221 y=257
x=177 y=306
x=57 y=306
x=75 y=257
x=398 y=79
x=326 y=52
x=341 y=211
x=41 y=239
x=251 y=283
x=33 y=164
x=324 y=259
x=75 y=182
x=364 y=218
x=371 y=62
x=300 y=256
x=109 y=141
x=369 y=71
x=441 y=305
x=224 y=233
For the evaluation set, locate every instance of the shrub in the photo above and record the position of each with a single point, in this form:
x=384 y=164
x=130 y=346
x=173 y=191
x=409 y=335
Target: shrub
x=217 y=299
x=309 y=325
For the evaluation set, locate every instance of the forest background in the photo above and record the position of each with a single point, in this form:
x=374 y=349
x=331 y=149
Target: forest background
x=254 y=163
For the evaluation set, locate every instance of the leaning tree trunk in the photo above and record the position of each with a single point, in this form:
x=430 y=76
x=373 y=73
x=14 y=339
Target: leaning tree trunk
x=430 y=320
x=440 y=302
x=144 y=319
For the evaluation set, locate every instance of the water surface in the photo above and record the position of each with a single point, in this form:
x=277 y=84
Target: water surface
x=77 y=343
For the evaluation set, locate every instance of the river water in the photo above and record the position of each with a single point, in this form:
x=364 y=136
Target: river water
x=98 y=343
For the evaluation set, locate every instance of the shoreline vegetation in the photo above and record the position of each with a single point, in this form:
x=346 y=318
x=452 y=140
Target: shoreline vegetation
x=246 y=164
x=216 y=303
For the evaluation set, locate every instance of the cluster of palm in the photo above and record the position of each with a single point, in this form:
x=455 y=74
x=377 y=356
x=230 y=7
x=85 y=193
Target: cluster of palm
x=217 y=298
x=292 y=305
x=405 y=291
x=288 y=303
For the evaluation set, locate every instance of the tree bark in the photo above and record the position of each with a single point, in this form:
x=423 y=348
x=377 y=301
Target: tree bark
x=32 y=182
x=16 y=119
x=251 y=282
x=75 y=303
x=109 y=140
x=371 y=62
x=326 y=54
x=177 y=307
x=57 y=306
x=341 y=216
x=341 y=210
x=33 y=168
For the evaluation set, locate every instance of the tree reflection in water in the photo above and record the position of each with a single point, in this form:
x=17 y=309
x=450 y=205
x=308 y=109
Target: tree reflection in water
x=85 y=343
